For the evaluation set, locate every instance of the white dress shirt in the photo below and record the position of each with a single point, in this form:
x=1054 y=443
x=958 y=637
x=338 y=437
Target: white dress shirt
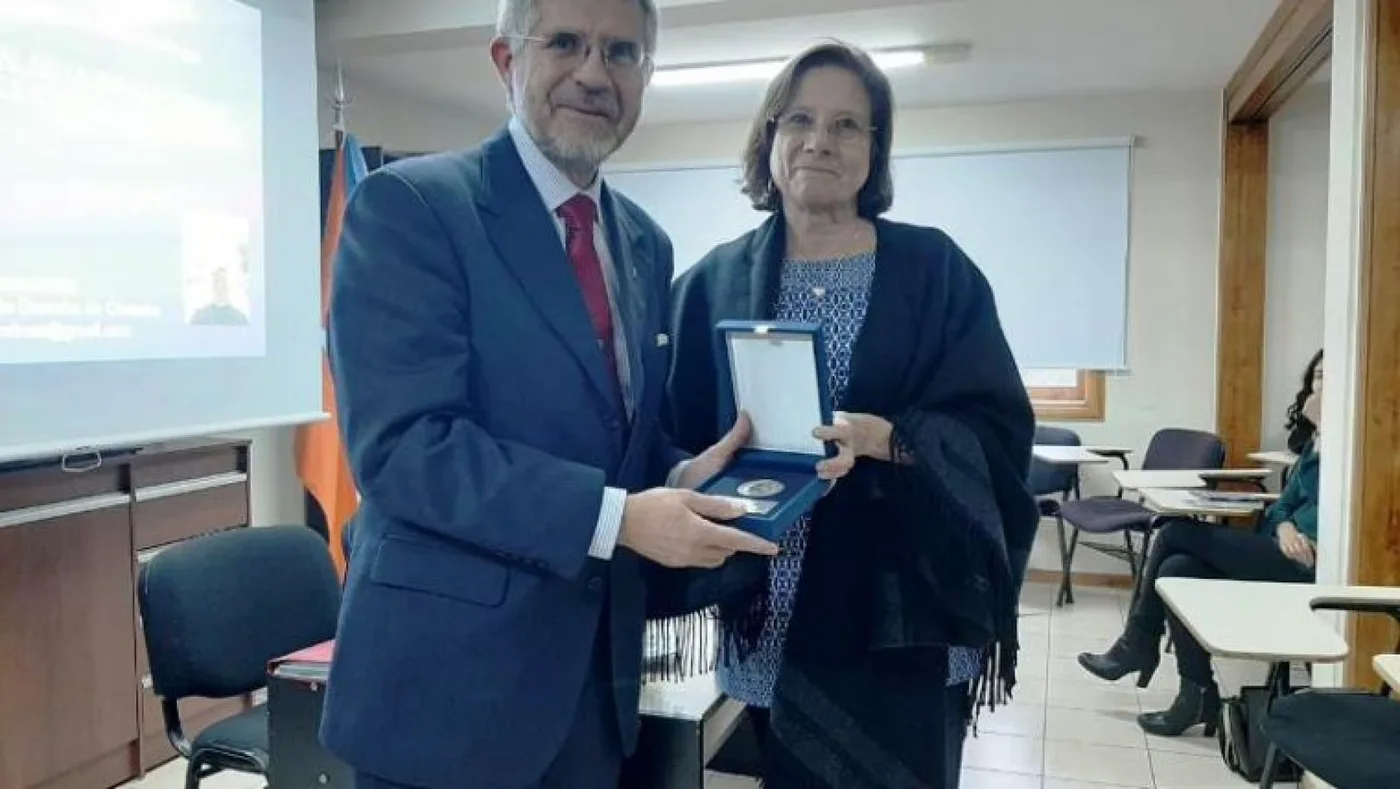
x=555 y=189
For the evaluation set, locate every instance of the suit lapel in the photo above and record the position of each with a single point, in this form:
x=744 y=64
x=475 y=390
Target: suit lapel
x=632 y=269
x=527 y=240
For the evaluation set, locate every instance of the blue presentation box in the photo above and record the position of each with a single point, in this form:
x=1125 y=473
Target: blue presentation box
x=776 y=372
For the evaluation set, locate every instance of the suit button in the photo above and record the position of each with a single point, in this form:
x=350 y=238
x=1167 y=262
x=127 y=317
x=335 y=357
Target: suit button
x=595 y=584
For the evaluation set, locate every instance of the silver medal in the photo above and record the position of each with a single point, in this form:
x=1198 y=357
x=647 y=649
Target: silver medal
x=761 y=488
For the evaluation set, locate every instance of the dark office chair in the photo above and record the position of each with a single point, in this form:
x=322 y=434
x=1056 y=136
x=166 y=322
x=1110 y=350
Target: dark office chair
x=1349 y=738
x=216 y=610
x=1170 y=449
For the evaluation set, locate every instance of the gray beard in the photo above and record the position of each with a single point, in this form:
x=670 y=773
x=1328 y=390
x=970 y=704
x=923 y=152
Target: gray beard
x=577 y=155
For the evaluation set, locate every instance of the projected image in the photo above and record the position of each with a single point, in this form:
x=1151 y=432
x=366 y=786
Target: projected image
x=131 y=225
x=215 y=259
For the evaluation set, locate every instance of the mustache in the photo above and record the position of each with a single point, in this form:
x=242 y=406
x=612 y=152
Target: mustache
x=599 y=102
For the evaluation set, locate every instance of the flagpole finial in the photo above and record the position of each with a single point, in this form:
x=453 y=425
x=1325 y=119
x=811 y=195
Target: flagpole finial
x=339 y=101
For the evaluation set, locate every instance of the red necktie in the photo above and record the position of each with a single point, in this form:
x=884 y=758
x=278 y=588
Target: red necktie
x=579 y=214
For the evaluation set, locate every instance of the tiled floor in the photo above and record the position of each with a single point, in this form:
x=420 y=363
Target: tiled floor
x=1068 y=730
x=1064 y=730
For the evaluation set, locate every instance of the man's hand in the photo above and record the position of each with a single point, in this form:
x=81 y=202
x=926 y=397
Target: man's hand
x=676 y=528
x=1294 y=545
x=718 y=457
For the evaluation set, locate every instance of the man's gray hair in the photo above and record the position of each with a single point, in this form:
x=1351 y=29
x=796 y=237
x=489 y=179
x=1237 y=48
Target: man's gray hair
x=519 y=17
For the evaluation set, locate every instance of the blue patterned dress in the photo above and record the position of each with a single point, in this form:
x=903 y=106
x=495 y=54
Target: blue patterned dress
x=834 y=293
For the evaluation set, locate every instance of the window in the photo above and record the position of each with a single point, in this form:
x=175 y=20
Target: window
x=1066 y=395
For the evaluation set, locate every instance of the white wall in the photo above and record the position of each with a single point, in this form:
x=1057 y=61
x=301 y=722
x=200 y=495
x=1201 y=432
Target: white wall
x=1297 y=250
x=1352 y=71
x=1173 y=245
x=385 y=117
x=276 y=494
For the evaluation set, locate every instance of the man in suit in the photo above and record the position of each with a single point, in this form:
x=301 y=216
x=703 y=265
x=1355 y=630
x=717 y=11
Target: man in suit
x=498 y=345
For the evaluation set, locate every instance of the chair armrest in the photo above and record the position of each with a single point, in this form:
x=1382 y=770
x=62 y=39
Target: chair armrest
x=1390 y=608
x=1118 y=453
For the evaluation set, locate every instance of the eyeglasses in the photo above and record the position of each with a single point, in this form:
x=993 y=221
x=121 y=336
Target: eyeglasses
x=801 y=124
x=571 y=48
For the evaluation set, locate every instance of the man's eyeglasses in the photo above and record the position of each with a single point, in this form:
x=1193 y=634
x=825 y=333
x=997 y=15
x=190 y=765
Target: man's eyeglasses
x=801 y=124
x=571 y=48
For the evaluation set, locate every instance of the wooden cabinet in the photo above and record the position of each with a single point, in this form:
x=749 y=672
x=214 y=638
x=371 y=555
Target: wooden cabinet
x=76 y=707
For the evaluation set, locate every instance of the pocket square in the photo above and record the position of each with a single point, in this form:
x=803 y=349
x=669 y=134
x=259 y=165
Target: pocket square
x=662 y=340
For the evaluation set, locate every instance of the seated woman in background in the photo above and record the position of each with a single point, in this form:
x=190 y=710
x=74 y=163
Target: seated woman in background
x=1282 y=550
x=1300 y=428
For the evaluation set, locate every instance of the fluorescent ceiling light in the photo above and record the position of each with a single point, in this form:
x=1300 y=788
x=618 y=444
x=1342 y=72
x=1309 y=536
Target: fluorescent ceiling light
x=754 y=70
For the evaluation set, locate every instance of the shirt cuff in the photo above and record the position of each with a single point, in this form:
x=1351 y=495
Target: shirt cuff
x=609 y=526
x=673 y=479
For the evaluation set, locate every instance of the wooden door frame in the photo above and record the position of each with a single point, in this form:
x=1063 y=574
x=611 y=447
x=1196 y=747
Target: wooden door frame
x=1297 y=40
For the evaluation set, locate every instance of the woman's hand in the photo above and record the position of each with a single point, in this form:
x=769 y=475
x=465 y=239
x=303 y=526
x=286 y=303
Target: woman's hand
x=856 y=436
x=1294 y=545
x=718 y=457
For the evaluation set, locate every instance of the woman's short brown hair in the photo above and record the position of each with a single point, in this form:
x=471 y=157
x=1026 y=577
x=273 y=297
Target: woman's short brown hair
x=876 y=196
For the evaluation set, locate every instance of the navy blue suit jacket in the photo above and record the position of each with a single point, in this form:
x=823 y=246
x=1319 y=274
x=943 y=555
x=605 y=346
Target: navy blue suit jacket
x=481 y=430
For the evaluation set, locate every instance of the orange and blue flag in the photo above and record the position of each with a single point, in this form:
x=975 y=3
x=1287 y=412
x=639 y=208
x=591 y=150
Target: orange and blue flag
x=320 y=453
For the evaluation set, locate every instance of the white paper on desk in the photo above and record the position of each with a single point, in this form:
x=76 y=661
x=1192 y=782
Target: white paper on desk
x=775 y=381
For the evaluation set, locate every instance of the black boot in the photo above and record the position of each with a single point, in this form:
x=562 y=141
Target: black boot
x=1132 y=652
x=1194 y=704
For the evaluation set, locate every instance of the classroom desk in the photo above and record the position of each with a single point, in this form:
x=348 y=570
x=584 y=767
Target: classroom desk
x=1188 y=478
x=1387 y=668
x=1185 y=503
x=1138 y=480
x=1282 y=458
x=1252 y=475
x=1117 y=453
x=1270 y=622
x=1066 y=455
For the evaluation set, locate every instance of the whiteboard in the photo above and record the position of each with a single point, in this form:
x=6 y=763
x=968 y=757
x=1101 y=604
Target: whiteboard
x=1047 y=224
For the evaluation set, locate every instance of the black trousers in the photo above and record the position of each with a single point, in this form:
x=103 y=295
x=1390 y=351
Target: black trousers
x=954 y=727
x=1194 y=549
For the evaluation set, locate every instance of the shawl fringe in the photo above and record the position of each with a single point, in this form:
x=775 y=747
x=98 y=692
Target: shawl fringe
x=681 y=647
x=700 y=642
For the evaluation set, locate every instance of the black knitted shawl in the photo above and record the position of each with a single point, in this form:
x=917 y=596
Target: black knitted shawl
x=904 y=559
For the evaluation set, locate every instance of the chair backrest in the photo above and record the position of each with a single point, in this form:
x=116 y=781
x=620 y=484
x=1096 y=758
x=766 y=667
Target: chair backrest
x=1179 y=448
x=217 y=608
x=1047 y=479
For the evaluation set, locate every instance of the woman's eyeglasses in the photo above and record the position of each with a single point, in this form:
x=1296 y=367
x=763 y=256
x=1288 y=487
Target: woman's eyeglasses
x=802 y=124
